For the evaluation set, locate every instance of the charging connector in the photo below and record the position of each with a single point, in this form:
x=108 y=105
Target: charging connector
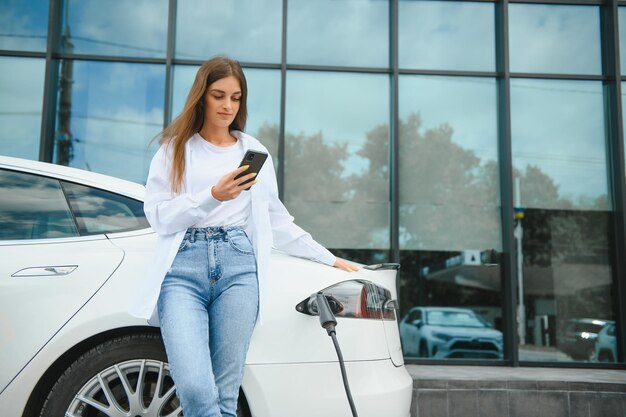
x=328 y=322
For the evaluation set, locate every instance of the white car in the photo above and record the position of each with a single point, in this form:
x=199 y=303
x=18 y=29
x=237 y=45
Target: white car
x=606 y=344
x=74 y=245
x=448 y=332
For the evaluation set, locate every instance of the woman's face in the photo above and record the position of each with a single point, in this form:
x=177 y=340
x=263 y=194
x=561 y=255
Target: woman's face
x=221 y=102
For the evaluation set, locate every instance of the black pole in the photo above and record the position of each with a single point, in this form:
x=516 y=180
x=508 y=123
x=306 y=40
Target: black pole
x=615 y=157
x=508 y=264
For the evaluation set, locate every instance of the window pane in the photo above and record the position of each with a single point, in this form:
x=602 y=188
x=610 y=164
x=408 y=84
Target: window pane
x=263 y=102
x=33 y=207
x=246 y=30
x=458 y=297
x=447 y=35
x=349 y=32
x=564 y=236
x=558 y=139
x=622 y=39
x=450 y=218
x=24 y=25
x=97 y=211
x=448 y=164
x=555 y=39
x=108 y=113
x=127 y=27
x=21 y=95
x=337 y=157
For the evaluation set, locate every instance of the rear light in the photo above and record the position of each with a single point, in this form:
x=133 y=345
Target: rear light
x=354 y=299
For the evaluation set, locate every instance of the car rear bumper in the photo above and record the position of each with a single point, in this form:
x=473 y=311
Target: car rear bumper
x=379 y=388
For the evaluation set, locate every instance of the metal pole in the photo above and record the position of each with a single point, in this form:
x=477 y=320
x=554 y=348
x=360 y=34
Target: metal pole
x=63 y=135
x=518 y=233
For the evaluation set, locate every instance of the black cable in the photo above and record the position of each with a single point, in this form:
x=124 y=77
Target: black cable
x=343 y=374
x=328 y=322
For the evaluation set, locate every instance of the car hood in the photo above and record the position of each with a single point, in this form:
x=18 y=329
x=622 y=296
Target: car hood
x=467 y=331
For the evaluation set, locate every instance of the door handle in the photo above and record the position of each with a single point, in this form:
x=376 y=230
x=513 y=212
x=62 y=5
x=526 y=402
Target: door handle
x=45 y=271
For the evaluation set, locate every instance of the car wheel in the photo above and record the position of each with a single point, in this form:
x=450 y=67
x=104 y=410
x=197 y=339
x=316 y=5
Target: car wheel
x=605 y=356
x=128 y=375
x=423 y=353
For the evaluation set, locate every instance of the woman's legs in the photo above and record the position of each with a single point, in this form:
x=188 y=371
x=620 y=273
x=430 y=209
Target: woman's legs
x=207 y=308
x=185 y=331
x=233 y=315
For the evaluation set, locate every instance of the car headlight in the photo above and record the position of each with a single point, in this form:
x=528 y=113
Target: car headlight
x=442 y=336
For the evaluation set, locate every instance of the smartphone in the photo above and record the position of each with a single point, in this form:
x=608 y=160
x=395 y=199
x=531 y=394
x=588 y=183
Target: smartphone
x=255 y=159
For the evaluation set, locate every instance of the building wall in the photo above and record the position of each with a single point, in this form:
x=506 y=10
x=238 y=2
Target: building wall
x=478 y=143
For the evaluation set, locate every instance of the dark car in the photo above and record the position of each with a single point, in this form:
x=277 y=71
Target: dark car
x=579 y=336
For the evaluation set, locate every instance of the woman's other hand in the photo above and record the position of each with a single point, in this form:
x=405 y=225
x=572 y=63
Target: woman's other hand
x=228 y=188
x=346 y=266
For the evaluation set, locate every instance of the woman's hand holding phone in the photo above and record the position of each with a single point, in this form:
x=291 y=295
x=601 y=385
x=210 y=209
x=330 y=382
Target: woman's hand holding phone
x=228 y=188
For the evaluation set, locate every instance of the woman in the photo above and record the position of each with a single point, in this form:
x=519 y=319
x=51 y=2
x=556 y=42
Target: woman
x=214 y=241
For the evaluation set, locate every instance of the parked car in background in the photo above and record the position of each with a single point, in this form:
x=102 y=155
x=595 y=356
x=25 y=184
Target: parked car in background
x=446 y=332
x=578 y=337
x=74 y=247
x=606 y=344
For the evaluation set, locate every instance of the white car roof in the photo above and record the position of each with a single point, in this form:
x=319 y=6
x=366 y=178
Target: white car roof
x=106 y=182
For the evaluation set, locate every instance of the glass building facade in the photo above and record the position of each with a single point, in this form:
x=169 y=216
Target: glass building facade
x=477 y=143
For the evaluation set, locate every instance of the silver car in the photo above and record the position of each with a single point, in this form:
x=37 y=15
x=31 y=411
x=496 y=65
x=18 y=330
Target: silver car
x=606 y=344
x=447 y=332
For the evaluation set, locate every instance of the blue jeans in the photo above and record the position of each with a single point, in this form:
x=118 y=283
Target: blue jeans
x=208 y=307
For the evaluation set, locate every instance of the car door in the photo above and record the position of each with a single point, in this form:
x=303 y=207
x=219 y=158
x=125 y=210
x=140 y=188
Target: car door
x=48 y=271
x=410 y=333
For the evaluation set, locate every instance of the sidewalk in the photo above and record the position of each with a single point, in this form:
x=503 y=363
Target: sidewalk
x=490 y=391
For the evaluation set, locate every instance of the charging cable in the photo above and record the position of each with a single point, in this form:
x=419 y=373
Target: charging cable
x=328 y=322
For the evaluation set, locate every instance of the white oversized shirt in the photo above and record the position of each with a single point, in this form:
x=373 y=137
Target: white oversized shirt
x=211 y=163
x=169 y=214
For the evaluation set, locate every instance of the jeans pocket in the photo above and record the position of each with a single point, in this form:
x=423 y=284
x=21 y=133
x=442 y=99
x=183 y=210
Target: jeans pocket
x=239 y=241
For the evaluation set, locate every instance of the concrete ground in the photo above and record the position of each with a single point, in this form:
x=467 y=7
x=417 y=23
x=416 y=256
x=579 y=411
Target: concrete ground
x=495 y=391
x=495 y=373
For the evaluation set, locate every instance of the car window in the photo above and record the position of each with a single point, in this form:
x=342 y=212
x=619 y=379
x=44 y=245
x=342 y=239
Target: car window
x=587 y=327
x=33 y=207
x=611 y=330
x=415 y=315
x=98 y=211
x=453 y=318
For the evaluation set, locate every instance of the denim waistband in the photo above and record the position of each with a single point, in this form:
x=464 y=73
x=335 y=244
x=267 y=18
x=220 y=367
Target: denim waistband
x=206 y=233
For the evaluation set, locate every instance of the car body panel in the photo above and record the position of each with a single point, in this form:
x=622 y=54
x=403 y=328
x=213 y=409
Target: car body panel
x=34 y=308
x=378 y=388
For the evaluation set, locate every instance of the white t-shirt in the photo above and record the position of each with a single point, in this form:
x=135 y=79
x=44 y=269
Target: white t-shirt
x=211 y=162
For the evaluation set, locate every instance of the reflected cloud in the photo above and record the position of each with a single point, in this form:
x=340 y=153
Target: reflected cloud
x=558 y=128
x=24 y=25
x=555 y=39
x=319 y=33
x=130 y=28
x=447 y=35
x=116 y=109
x=21 y=92
x=247 y=30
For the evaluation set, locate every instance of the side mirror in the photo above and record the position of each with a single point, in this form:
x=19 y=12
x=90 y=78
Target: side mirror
x=417 y=323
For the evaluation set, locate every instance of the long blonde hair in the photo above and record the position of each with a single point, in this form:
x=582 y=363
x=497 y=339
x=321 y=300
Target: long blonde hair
x=191 y=119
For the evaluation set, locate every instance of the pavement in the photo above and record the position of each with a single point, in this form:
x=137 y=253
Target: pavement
x=504 y=373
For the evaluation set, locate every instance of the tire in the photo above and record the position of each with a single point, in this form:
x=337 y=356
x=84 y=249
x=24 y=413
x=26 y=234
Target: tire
x=605 y=356
x=423 y=353
x=115 y=369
